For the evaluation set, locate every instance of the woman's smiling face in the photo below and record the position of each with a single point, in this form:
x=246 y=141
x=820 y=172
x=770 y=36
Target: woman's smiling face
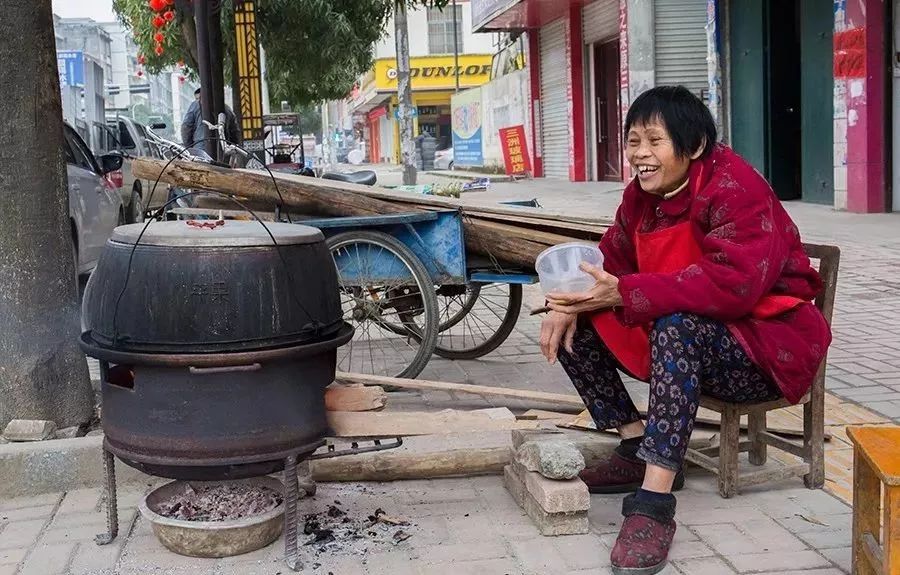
x=652 y=155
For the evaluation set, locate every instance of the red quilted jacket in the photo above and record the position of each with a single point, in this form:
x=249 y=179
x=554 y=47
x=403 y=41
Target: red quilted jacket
x=750 y=247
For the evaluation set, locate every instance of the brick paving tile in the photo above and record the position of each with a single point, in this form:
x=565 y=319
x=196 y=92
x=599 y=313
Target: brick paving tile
x=704 y=566
x=778 y=561
x=35 y=501
x=13 y=556
x=840 y=556
x=21 y=533
x=48 y=559
x=8 y=569
x=582 y=551
x=80 y=501
x=25 y=513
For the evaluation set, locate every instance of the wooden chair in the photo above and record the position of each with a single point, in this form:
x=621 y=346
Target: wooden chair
x=759 y=438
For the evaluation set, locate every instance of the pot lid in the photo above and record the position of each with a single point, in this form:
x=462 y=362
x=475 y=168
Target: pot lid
x=210 y=233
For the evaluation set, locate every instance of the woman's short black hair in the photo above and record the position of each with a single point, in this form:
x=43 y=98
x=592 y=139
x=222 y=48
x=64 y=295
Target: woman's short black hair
x=686 y=117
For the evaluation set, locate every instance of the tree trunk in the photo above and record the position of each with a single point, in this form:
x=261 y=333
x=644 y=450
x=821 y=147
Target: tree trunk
x=217 y=62
x=404 y=95
x=43 y=373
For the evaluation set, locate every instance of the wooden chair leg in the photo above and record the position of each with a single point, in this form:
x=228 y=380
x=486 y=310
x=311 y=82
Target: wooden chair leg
x=729 y=446
x=866 y=503
x=814 y=433
x=756 y=422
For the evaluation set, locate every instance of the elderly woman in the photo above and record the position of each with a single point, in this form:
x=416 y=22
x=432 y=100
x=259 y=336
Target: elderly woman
x=705 y=289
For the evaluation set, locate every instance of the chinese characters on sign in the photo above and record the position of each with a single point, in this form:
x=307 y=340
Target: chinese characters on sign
x=515 y=150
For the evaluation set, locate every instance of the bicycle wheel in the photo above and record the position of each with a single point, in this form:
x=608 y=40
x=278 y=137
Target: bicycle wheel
x=387 y=295
x=476 y=319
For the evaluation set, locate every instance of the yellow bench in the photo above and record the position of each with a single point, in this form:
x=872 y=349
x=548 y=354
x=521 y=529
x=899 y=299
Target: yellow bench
x=876 y=463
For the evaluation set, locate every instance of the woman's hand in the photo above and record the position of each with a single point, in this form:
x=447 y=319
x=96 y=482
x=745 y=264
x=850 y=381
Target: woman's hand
x=557 y=328
x=604 y=295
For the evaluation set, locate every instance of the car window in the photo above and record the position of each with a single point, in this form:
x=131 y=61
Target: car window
x=82 y=155
x=70 y=157
x=125 y=138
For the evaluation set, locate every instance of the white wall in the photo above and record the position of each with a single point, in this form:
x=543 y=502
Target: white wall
x=417 y=21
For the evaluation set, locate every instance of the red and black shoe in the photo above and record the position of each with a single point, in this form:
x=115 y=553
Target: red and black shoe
x=642 y=547
x=620 y=474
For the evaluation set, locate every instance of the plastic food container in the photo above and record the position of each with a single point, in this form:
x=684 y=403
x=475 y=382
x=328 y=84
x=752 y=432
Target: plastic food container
x=558 y=270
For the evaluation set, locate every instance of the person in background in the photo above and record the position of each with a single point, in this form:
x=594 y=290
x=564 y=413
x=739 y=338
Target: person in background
x=705 y=288
x=194 y=132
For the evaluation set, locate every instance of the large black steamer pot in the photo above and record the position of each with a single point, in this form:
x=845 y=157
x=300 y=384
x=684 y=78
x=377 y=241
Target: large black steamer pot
x=216 y=351
x=193 y=289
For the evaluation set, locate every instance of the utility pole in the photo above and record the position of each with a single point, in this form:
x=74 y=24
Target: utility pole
x=207 y=104
x=404 y=95
x=455 y=47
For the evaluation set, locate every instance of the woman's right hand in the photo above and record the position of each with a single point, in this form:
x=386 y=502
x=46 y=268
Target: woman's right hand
x=556 y=328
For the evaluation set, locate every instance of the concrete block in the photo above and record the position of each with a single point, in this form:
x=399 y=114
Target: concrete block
x=549 y=524
x=29 y=430
x=70 y=432
x=521 y=436
x=552 y=459
x=35 y=468
x=556 y=496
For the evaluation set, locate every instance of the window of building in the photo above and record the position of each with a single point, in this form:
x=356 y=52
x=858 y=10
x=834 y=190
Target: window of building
x=440 y=29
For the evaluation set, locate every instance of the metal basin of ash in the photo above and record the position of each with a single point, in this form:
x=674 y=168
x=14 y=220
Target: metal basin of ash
x=220 y=538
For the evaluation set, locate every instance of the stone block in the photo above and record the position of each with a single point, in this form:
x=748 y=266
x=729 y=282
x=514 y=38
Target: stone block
x=29 y=430
x=521 y=436
x=556 y=496
x=70 y=432
x=552 y=459
x=548 y=524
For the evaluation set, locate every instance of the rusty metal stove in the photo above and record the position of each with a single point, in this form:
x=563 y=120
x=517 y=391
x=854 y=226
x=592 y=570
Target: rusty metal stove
x=216 y=345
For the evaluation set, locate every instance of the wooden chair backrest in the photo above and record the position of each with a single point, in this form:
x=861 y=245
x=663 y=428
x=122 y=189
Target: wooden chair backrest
x=829 y=261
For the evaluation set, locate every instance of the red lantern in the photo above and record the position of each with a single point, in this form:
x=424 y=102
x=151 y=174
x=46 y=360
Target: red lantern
x=181 y=63
x=181 y=79
x=157 y=5
x=140 y=73
x=158 y=22
x=169 y=15
x=159 y=38
x=142 y=59
x=159 y=50
x=169 y=2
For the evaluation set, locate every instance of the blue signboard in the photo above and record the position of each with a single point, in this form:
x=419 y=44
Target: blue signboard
x=70 y=64
x=466 y=124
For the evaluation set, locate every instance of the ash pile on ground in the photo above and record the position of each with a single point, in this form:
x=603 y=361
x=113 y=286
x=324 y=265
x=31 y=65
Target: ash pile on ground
x=336 y=532
x=222 y=502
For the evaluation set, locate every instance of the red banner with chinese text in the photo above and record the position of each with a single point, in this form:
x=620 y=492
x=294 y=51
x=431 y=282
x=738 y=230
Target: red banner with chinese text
x=515 y=150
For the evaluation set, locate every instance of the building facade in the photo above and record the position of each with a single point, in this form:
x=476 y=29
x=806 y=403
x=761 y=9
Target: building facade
x=801 y=88
x=436 y=72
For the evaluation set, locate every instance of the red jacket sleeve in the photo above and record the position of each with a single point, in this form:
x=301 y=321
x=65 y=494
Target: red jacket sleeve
x=619 y=257
x=742 y=258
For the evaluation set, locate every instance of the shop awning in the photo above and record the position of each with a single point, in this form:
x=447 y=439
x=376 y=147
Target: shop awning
x=499 y=15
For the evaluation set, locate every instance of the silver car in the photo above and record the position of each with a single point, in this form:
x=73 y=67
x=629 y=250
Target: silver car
x=129 y=137
x=95 y=206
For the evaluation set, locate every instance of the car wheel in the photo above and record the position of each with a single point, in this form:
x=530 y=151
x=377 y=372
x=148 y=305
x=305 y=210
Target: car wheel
x=136 y=208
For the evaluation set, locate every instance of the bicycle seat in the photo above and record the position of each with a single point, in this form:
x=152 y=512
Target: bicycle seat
x=363 y=177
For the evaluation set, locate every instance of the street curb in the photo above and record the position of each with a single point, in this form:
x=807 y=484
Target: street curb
x=469 y=176
x=28 y=469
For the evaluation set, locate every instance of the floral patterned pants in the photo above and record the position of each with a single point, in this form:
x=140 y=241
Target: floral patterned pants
x=689 y=355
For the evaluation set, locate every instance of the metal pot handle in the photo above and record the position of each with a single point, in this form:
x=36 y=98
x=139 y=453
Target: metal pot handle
x=225 y=369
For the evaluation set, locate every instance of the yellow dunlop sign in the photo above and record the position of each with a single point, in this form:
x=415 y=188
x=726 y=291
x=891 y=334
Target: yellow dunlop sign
x=435 y=72
x=248 y=69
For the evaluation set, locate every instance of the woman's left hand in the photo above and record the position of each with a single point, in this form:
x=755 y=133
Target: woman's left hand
x=604 y=294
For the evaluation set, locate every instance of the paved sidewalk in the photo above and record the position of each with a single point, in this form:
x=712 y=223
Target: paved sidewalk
x=458 y=527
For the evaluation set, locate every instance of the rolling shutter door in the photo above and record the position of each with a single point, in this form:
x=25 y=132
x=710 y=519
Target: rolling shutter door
x=554 y=109
x=681 y=44
x=600 y=21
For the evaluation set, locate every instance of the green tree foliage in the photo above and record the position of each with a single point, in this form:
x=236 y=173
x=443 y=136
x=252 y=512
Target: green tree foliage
x=315 y=49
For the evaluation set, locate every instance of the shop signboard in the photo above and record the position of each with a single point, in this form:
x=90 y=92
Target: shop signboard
x=515 y=150
x=70 y=64
x=466 y=124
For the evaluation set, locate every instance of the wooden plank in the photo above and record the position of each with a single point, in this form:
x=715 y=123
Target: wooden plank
x=750 y=478
x=891 y=522
x=480 y=390
x=394 y=424
x=354 y=398
x=878 y=447
x=515 y=244
x=394 y=465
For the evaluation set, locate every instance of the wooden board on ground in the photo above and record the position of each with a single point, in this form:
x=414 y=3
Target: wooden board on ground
x=394 y=424
x=354 y=398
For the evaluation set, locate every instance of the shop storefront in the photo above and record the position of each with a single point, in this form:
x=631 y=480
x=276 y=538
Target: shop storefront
x=433 y=84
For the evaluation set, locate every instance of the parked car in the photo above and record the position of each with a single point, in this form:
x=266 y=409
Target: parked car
x=129 y=137
x=95 y=205
x=443 y=159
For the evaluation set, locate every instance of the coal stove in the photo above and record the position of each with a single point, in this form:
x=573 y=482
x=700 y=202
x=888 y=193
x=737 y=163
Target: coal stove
x=216 y=343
